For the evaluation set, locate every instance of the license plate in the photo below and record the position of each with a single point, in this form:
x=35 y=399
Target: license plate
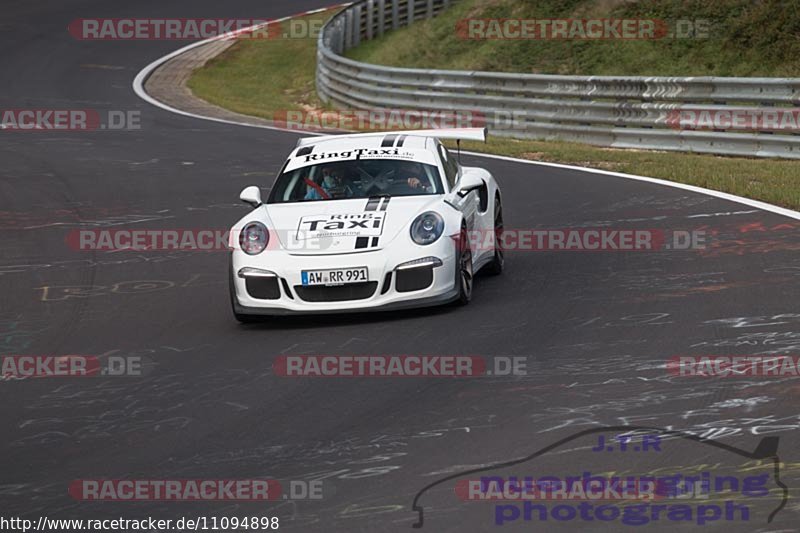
x=338 y=276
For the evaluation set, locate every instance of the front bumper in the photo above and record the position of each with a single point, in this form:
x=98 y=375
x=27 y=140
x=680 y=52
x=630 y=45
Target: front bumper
x=293 y=299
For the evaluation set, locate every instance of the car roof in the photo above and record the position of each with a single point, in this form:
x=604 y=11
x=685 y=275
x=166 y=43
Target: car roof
x=373 y=140
x=399 y=146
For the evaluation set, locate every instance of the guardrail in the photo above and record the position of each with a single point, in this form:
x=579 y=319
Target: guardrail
x=749 y=116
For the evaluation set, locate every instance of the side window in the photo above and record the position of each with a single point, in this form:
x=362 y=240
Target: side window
x=450 y=166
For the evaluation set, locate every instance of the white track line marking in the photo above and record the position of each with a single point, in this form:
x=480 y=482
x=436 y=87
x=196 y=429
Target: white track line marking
x=717 y=194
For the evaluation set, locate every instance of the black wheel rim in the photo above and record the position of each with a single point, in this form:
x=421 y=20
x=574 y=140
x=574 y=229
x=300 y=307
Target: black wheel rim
x=498 y=231
x=466 y=266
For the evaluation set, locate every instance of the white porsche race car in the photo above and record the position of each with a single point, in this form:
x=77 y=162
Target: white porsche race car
x=363 y=222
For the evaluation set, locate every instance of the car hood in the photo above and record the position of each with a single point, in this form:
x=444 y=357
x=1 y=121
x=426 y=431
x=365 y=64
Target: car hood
x=344 y=226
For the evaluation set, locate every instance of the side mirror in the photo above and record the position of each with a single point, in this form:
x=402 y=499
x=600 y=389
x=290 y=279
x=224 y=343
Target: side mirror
x=251 y=195
x=469 y=182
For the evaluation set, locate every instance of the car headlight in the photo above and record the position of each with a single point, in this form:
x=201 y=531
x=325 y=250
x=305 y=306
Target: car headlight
x=427 y=228
x=254 y=238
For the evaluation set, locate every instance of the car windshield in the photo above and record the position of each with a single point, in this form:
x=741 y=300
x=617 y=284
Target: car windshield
x=360 y=178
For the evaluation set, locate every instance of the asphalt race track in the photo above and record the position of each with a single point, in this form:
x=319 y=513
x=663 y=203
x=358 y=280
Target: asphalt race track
x=596 y=328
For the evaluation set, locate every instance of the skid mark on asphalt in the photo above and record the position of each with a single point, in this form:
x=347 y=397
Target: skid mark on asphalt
x=55 y=293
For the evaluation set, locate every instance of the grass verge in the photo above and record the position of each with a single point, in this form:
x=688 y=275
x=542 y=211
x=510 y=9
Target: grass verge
x=710 y=38
x=262 y=77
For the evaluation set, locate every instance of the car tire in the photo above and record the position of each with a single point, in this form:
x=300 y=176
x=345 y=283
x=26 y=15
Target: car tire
x=465 y=277
x=495 y=268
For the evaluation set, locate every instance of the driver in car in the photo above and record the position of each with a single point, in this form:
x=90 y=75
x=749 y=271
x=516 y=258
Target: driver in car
x=410 y=171
x=331 y=186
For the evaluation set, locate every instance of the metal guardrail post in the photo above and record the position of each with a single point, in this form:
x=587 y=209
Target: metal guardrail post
x=395 y=14
x=341 y=34
x=381 y=16
x=370 y=18
x=356 y=27
x=348 y=30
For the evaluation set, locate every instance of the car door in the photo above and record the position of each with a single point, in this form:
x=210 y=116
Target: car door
x=468 y=205
x=480 y=222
